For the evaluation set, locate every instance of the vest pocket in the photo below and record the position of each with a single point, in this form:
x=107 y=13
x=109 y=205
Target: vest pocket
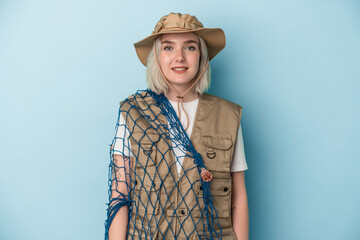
x=145 y=196
x=146 y=156
x=227 y=234
x=145 y=148
x=221 y=192
x=216 y=151
x=145 y=209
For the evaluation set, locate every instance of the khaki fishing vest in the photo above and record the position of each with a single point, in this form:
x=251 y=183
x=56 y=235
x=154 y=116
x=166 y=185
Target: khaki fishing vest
x=168 y=205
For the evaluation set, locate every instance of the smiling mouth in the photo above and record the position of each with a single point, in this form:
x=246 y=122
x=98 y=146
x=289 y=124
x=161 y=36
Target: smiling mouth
x=179 y=70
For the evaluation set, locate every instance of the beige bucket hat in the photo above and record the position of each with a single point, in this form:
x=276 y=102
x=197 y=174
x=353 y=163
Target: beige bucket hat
x=182 y=23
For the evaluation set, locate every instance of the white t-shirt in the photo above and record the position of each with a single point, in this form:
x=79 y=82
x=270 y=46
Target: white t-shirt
x=122 y=134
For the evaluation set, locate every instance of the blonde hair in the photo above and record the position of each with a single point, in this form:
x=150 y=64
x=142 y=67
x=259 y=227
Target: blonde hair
x=157 y=83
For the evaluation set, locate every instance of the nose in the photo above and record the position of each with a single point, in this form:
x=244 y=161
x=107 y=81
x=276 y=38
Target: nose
x=180 y=56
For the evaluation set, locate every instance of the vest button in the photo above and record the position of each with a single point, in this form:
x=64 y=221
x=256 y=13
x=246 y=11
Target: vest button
x=182 y=212
x=226 y=189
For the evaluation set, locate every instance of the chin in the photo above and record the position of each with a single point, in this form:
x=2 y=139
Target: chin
x=180 y=83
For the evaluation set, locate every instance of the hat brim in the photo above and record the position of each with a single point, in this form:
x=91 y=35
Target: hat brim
x=214 y=39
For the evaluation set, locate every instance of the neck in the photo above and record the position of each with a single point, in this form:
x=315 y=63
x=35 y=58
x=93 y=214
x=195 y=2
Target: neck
x=190 y=96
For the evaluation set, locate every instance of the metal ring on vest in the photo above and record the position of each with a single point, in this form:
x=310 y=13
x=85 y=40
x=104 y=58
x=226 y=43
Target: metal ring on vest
x=211 y=155
x=147 y=152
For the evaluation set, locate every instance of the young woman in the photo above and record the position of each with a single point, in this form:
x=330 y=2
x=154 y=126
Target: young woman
x=177 y=160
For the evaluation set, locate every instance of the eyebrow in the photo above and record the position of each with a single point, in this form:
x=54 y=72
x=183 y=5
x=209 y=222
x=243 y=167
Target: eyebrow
x=171 y=42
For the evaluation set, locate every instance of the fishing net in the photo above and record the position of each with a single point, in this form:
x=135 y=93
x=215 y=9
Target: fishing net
x=143 y=174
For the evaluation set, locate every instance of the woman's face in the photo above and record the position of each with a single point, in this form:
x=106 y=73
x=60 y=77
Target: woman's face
x=179 y=58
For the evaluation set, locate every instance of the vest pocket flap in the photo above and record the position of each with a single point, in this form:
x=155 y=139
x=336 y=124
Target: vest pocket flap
x=147 y=185
x=221 y=186
x=217 y=142
x=148 y=137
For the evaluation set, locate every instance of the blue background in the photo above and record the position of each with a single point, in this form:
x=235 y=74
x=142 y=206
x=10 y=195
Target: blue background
x=292 y=65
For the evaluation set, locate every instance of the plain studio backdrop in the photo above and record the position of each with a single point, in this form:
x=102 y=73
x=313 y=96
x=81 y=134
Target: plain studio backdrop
x=292 y=65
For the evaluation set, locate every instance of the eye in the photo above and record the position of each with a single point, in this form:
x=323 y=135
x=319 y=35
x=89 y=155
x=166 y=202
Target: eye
x=191 y=48
x=167 y=48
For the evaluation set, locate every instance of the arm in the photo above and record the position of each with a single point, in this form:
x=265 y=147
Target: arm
x=239 y=208
x=118 y=228
x=121 y=181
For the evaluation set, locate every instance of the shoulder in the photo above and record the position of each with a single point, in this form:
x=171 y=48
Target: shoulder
x=136 y=99
x=219 y=102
